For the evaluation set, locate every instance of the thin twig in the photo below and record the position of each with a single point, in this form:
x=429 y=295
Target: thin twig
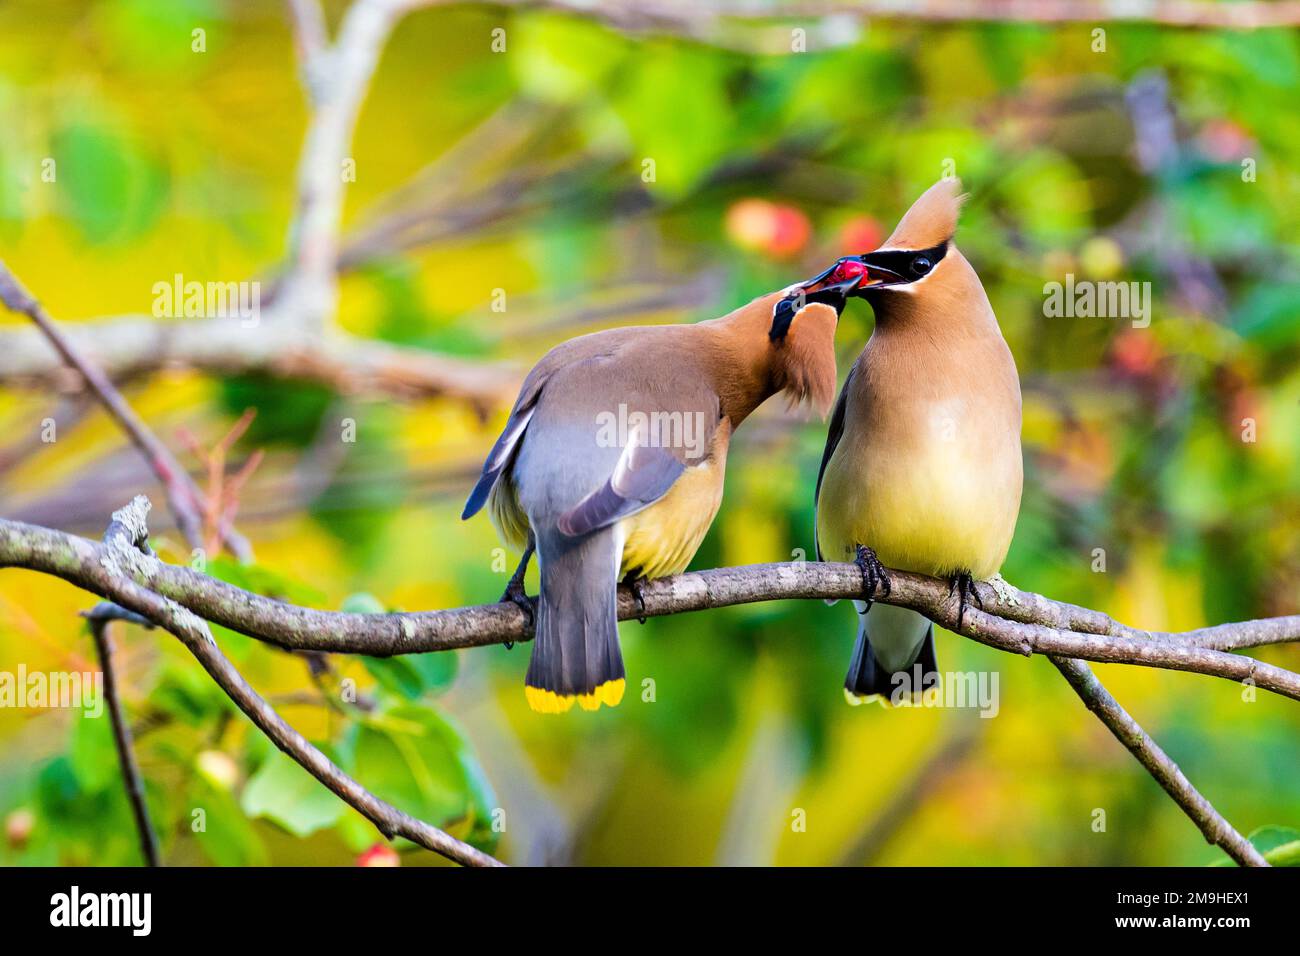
x=183 y=495
x=1218 y=831
x=99 y=626
x=121 y=550
x=910 y=795
x=390 y=821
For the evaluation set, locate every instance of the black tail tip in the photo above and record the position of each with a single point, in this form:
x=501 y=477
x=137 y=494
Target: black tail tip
x=868 y=679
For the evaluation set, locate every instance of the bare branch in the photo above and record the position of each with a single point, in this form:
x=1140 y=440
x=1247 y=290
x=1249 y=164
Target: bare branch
x=310 y=42
x=1015 y=628
x=124 y=570
x=390 y=821
x=183 y=495
x=99 y=624
x=910 y=795
x=349 y=365
x=122 y=550
x=310 y=287
x=1218 y=831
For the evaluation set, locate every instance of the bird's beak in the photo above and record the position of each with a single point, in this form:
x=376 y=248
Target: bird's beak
x=877 y=276
x=835 y=294
x=853 y=276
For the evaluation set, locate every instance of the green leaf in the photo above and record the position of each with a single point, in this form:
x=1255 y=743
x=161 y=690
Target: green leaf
x=560 y=59
x=93 y=752
x=676 y=109
x=285 y=416
x=111 y=189
x=418 y=761
x=157 y=38
x=411 y=676
x=1287 y=854
x=227 y=838
x=1280 y=845
x=362 y=603
x=1270 y=315
x=286 y=794
x=188 y=694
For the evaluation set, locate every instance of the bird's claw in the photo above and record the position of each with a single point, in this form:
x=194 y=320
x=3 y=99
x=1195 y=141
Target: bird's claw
x=874 y=576
x=516 y=595
x=964 y=584
x=637 y=586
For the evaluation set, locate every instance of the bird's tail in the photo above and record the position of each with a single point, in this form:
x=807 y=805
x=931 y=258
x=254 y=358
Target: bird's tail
x=576 y=656
x=894 y=654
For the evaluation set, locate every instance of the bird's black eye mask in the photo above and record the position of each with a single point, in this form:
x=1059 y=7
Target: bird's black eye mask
x=901 y=266
x=855 y=276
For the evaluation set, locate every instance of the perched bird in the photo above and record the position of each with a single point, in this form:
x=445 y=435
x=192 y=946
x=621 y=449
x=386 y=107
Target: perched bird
x=922 y=469
x=611 y=464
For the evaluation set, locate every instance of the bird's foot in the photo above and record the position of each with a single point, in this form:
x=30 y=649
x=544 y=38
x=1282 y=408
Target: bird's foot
x=1006 y=592
x=637 y=587
x=875 y=579
x=516 y=595
x=964 y=584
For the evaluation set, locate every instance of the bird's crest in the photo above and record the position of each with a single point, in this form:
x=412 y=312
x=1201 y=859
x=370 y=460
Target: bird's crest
x=932 y=220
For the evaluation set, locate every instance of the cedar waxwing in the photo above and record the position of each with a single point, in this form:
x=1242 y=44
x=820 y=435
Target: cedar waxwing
x=922 y=470
x=611 y=465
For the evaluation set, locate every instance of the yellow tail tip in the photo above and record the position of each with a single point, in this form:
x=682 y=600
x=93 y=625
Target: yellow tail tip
x=857 y=700
x=543 y=701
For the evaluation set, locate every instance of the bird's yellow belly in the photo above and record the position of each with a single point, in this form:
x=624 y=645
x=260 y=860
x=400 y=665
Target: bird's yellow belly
x=507 y=515
x=662 y=539
x=946 y=507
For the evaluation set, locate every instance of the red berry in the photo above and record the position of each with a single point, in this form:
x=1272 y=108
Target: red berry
x=381 y=854
x=18 y=827
x=774 y=229
x=847 y=270
x=793 y=230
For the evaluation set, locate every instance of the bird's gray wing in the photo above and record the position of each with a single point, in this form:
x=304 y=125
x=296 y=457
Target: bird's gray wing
x=499 y=457
x=833 y=434
x=642 y=476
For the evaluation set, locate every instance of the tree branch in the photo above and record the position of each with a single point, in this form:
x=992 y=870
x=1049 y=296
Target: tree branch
x=123 y=570
x=183 y=495
x=310 y=42
x=350 y=365
x=99 y=624
x=338 y=78
x=1031 y=627
x=122 y=550
x=1218 y=831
